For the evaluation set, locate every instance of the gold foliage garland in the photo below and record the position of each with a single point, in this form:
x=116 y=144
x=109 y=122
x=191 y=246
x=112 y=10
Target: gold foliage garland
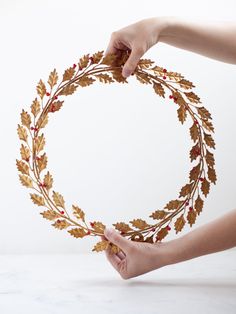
x=108 y=69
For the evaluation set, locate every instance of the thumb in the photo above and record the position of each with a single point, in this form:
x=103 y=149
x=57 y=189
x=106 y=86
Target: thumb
x=131 y=63
x=117 y=239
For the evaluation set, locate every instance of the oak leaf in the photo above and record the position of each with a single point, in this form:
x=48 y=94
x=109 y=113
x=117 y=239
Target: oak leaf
x=185 y=190
x=83 y=62
x=25 y=118
x=50 y=214
x=61 y=224
x=101 y=246
x=53 y=78
x=41 y=89
x=182 y=114
x=122 y=227
x=209 y=140
x=97 y=56
x=22 y=167
x=48 y=180
x=194 y=173
x=78 y=212
x=42 y=162
x=186 y=84
x=194 y=132
x=78 y=232
x=68 y=89
x=162 y=234
x=158 y=214
x=26 y=181
x=42 y=121
x=204 y=113
x=159 y=90
x=85 y=81
x=174 y=204
x=192 y=97
x=25 y=152
x=37 y=199
x=191 y=217
x=22 y=133
x=211 y=175
x=104 y=78
x=179 y=223
x=58 y=199
x=198 y=204
x=39 y=143
x=68 y=74
x=210 y=158
x=35 y=107
x=98 y=227
x=205 y=187
x=139 y=223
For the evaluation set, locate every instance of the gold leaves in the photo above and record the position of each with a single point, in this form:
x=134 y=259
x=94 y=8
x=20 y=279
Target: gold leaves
x=35 y=107
x=42 y=121
x=25 y=152
x=139 y=223
x=55 y=106
x=22 y=133
x=109 y=59
x=211 y=175
x=194 y=132
x=182 y=114
x=209 y=140
x=85 y=81
x=83 y=62
x=194 y=173
x=209 y=158
x=26 y=181
x=194 y=152
x=41 y=89
x=101 y=246
x=104 y=78
x=61 y=224
x=208 y=125
x=48 y=181
x=179 y=223
x=98 y=226
x=117 y=76
x=97 y=56
x=186 y=84
x=204 y=113
x=78 y=232
x=68 y=74
x=78 y=212
x=58 y=199
x=42 y=162
x=159 y=214
x=25 y=118
x=192 y=97
x=198 y=204
x=143 y=77
x=37 y=199
x=174 y=204
x=205 y=187
x=39 y=143
x=191 y=217
x=159 y=90
x=22 y=167
x=162 y=234
x=122 y=227
x=68 y=89
x=145 y=63
x=50 y=214
x=185 y=190
x=53 y=78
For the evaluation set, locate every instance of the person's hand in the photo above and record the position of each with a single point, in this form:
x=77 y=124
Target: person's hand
x=137 y=38
x=135 y=258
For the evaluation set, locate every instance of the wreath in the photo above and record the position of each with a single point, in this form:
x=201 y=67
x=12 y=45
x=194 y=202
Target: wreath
x=108 y=69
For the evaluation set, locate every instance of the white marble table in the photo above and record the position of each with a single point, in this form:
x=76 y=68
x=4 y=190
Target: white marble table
x=86 y=283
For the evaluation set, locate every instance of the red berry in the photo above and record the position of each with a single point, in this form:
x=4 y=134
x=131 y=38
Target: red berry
x=164 y=77
x=58 y=220
x=37 y=158
x=190 y=208
x=153 y=229
x=92 y=224
x=74 y=65
x=27 y=159
x=164 y=70
x=201 y=179
x=170 y=96
x=80 y=67
x=88 y=232
x=91 y=59
x=195 y=121
x=32 y=128
x=47 y=94
x=62 y=212
x=55 y=97
x=122 y=232
x=168 y=228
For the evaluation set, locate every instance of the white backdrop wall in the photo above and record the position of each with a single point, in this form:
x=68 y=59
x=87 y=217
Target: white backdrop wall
x=117 y=151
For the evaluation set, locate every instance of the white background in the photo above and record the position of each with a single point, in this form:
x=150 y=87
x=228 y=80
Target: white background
x=117 y=151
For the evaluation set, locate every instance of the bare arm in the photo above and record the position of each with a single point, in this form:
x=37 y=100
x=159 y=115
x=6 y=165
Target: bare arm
x=137 y=258
x=215 y=40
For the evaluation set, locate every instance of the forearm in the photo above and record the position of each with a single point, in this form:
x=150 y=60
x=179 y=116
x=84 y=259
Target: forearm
x=218 y=235
x=214 y=40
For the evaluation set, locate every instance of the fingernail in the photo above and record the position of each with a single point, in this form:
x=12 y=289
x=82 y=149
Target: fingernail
x=126 y=73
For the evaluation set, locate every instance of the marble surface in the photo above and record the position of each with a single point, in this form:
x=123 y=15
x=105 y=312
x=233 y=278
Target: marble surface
x=87 y=283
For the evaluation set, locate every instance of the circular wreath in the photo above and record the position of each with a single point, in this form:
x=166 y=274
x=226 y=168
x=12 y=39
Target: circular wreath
x=108 y=69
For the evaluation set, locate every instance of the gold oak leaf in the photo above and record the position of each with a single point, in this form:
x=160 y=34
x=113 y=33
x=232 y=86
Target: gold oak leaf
x=42 y=121
x=117 y=75
x=41 y=89
x=194 y=132
x=68 y=89
x=179 y=223
x=25 y=118
x=162 y=233
x=186 y=84
x=204 y=113
x=50 y=214
x=194 y=152
x=182 y=114
x=205 y=187
x=139 y=223
x=22 y=167
x=26 y=181
x=149 y=239
x=78 y=232
x=68 y=74
x=55 y=106
x=122 y=227
x=39 y=143
x=58 y=199
x=104 y=78
x=159 y=90
x=97 y=56
x=83 y=62
x=211 y=175
x=198 y=204
x=25 y=152
x=101 y=246
x=114 y=248
x=42 y=162
x=208 y=125
x=209 y=140
x=98 y=226
x=53 y=78
x=48 y=180
x=186 y=189
x=192 y=97
x=159 y=214
x=35 y=107
x=78 y=212
x=22 y=133
x=174 y=76
x=145 y=63
x=210 y=158
x=61 y=224
x=37 y=199
x=194 y=173
x=109 y=59
x=143 y=78
x=191 y=217
x=173 y=204
x=85 y=81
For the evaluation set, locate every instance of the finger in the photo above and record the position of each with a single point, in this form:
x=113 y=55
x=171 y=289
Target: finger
x=117 y=239
x=121 y=255
x=131 y=63
x=113 y=259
